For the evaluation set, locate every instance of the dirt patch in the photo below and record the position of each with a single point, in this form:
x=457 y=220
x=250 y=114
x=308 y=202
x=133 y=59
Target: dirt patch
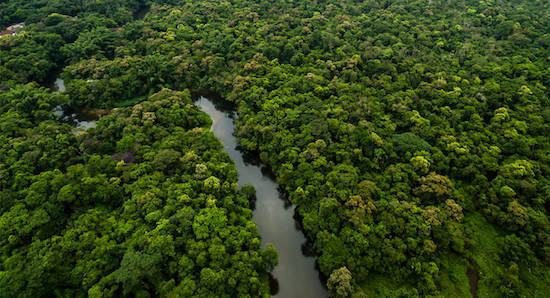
x=473 y=278
x=88 y=114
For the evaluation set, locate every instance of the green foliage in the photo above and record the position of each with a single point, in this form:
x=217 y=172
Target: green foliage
x=28 y=56
x=409 y=142
x=33 y=11
x=407 y=133
x=80 y=219
x=339 y=282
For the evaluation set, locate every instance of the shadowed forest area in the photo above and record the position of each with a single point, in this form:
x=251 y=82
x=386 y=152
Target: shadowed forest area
x=413 y=137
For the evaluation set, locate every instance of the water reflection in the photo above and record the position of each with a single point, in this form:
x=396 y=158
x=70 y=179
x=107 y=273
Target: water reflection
x=296 y=275
x=82 y=119
x=59 y=85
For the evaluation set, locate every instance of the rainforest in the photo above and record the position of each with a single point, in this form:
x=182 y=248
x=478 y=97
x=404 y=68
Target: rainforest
x=294 y=148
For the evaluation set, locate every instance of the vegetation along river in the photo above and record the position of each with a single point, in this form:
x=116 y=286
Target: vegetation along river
x=296 y=273
x=81 y=119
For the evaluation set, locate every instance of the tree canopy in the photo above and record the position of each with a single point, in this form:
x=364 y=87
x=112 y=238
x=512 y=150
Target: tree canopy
x=413 y=137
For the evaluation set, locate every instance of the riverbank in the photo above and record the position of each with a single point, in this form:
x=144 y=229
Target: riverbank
x=296 y=274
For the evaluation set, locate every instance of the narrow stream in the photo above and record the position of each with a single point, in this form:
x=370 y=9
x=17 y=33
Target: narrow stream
x=296 y=273
x=473 y=279
x=82 y=119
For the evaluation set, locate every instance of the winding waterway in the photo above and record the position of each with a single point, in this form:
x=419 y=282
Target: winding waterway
x=296 y=273
x=82 y=119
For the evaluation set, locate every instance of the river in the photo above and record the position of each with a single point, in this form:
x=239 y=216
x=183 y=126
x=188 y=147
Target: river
x=296 y=273
x=82 y=119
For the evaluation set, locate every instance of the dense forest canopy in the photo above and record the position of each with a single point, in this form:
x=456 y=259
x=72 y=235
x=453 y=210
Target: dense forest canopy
x=413 y=137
